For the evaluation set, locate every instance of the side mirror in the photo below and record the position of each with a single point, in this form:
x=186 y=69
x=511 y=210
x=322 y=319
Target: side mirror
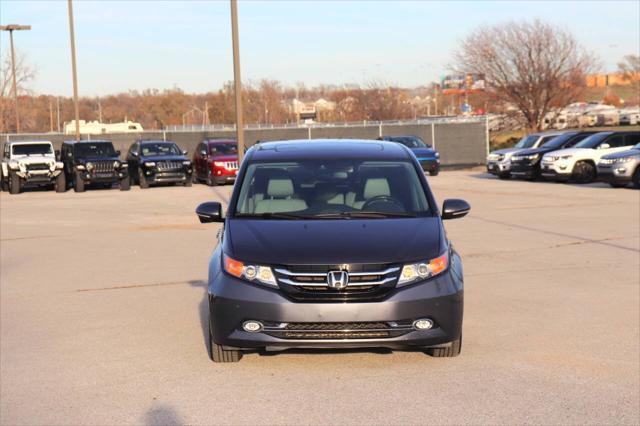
x=454 y=209
x=210 y=212
x=184 y=152
x=604 y=146
x=134 y=153
x=203 y=153
x=118 y=153
x=57 y=154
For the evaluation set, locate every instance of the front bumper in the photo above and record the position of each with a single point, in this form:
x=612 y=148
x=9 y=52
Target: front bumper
x=622 y=173
x=525 y=170
x=498 y=167
x=174 y=176
x=551 y=171
x=233 y=301
x=38 y=177
x=429 y=164
x=106 y=177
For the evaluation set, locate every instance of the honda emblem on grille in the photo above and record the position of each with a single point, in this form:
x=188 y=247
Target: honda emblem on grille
x=338 y=279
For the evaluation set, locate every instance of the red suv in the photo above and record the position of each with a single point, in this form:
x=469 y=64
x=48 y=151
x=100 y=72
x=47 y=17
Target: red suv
x=216 y=161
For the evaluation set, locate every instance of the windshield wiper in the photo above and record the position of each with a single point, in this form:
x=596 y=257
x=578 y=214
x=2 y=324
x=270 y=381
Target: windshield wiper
x=363 y=215
x=273 y=216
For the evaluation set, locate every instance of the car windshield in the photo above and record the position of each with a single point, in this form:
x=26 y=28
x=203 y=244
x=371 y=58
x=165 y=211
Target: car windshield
x=409 y=141
x=592 y=141
x=527 y=141
x=559 y=141
x=332 y=189
x=33 y=149
x=89 y=149
x=223 y=149
x=160 y=149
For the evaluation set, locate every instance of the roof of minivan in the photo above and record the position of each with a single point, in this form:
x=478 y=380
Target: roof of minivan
x=24 y=142
x=214 y=141
x=91 y=141
x=305 y=149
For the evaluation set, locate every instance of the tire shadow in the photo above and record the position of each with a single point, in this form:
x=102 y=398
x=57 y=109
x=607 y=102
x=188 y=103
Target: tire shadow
x=203 y=310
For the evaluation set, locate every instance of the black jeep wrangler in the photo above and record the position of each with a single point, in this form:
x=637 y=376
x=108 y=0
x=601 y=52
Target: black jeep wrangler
x=93 y=162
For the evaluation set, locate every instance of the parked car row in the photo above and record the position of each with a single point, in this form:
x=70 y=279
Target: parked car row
x=576 y=156
x=84 y=164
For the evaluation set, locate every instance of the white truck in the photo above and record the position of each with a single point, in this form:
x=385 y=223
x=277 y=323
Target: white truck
x=30 y=163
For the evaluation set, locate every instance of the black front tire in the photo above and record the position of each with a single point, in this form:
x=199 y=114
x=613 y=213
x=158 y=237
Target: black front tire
x=78 y=183
x=504 y=176
x=211 y=181
x=218 y=354
x=15 y=183
x=584 y=172
x=188 y=181
x=4 y=184
x=434 y=172
x=636 y=178
x=142 y=181
x=125 y=184
x=449 y=352
x=61 y=183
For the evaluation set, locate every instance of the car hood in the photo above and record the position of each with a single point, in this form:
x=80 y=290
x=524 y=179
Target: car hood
x=424 y=152
x=531 y=151
x=225 y=158
x=164 y=158
x=505 y=151
x=624 y=154
x=88 y=159
x=582 y=152
x=291 y=242
x=33 y=159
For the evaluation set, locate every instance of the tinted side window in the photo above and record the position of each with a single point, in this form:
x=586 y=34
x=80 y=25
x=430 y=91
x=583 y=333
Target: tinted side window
x=632 y=139
x=614 y=141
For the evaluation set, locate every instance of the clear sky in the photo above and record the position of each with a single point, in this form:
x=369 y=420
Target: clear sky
x=135 y=45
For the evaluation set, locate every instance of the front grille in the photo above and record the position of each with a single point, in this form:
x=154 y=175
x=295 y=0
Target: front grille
x=169 y=166
x=37 y=166
x=337 y=330
x=231 y=165
x=367 y=282
x=102 y=166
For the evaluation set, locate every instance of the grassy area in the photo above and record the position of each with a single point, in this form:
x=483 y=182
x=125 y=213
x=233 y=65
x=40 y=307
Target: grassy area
x=508 y=138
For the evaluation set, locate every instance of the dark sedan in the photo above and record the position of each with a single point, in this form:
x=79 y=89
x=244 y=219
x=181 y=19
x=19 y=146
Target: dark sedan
x=428 y=157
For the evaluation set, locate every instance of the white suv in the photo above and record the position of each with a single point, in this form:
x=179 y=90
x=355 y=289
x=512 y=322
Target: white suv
x=30 y=163
x=579 y=163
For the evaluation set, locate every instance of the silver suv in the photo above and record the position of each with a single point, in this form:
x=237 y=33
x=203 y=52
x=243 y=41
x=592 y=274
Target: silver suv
x=621 y=168
x=30 y=163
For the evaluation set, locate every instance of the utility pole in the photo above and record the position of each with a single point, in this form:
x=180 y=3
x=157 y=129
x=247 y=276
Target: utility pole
x=73 y=70
x=236 y=79
x=58 y=107
x=99 y=111
x=11 y=28
x=50 y=116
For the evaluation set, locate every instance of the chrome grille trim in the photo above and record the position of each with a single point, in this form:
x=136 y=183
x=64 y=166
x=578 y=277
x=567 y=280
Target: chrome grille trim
x=231 y=165
x=165 y=166
x=324 y=274
x=102 y=166
x=324 y=283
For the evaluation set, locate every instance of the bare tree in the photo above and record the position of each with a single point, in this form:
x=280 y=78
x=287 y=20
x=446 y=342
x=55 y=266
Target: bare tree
x=532 y=65
x=630 y=68
x=25 y=73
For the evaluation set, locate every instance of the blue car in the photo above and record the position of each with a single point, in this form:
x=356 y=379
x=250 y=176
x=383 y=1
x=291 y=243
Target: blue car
x=428 y=157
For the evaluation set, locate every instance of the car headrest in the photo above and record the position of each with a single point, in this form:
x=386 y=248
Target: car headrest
x=376 y=186
x=280 y=187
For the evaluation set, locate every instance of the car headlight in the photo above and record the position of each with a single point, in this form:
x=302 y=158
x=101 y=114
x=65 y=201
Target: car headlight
x=150 y=164
x=89 y=166
x=80 y=166
x=262 y=274
x=437 y=154
x=116 y=164
x=218 y=163
x=565 y=157
x=423 y=270
x=624 y=160
x=14 y=165
x=186 y=163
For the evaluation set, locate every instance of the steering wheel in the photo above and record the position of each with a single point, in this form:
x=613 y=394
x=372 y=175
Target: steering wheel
x=383 y=199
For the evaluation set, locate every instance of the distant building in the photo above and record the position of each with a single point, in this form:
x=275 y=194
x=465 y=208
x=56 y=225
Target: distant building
x=97 y=128
x=310 y=111
x=614 y=79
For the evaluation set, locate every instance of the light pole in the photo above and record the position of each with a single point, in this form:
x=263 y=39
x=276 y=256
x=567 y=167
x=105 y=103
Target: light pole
x=11 y=28
x=236 y=79
x=73 y=70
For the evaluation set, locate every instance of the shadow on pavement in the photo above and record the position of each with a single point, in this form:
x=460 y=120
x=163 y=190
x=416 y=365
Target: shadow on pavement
x=162 y=415
x=203 y=309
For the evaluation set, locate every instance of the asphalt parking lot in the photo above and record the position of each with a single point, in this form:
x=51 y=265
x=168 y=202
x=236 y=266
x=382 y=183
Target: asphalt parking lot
x=103 y=315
